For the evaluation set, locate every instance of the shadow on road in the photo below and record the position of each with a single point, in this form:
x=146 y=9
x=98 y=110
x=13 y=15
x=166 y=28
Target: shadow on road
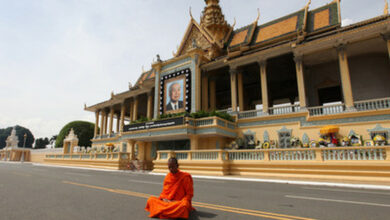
x=195 y=215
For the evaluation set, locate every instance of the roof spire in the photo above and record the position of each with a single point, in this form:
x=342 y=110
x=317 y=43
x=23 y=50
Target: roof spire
x=213 y=19
x=386 y=10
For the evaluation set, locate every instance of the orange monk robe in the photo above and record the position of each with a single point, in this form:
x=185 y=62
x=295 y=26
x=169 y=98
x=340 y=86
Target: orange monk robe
x=177 y=187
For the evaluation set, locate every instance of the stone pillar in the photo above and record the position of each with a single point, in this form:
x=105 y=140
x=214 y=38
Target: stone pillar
x=130 y=149
x=149 y=112
x=96 y=123
x=105 y=122
x=131 y=111
x=135 y=109
x=205 y=95
x=111 y=120
x=233 y=87
x=213 y=100
x=117 y=123
x=301 y=81
x=194 y=141
x=141 y=151
x=122 y=119
x=386 y=37
x=240 y=92
x=345 y=77
x=264 y=86
x=101 y=123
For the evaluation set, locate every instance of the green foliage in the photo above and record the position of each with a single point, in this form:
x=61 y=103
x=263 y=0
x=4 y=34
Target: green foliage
x=204 y=114
x=20 y=131
x=142 y=119
x=41 y=142
x=174 y=115
x=83 y=129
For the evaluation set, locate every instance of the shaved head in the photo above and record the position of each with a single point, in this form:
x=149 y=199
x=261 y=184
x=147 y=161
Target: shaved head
x=173 y=165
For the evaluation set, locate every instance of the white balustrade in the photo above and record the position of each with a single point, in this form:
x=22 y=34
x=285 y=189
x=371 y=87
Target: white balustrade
x=182 y=155
x=373 y=104
x=284 y=110
x=356 y=153
x=204 y=155
x=292 y=154
x=326 y=110
x=246 y=155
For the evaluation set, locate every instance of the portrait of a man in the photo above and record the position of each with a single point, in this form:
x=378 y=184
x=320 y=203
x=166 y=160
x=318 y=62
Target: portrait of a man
x=174 y=96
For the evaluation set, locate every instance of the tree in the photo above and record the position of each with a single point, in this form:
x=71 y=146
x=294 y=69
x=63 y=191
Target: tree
x=41 y=143
x=20 y=131
x=83 y=129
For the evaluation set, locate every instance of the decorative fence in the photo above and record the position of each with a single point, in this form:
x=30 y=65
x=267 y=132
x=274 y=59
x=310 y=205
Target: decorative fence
x=326 y=110
x=293 y=154
x=373 y=104
x=91 y=156
x=284 y=110
x=211 y=121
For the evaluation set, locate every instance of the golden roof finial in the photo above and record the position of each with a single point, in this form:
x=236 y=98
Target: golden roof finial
x=143 y=69
x=386 y=10
x=308 y=4
x=234 y=24
x=258 y=15
x=191 y=14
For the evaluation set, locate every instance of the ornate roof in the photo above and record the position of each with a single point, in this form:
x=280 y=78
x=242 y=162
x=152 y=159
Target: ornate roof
x=300 y=23
x=145 y=76
x=214 y=21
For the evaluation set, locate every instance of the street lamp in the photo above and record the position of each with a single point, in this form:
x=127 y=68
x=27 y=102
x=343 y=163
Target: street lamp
x=24 y=144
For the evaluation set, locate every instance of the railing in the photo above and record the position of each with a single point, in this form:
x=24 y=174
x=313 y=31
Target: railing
x=376 y=153
x=211 y=121
x=90 y=156
x=292 y=154
x=284 y=110
x=204 y=155
x=245 y=155
x=326 y=110
x=272 y=111
x=250 y=114
x=204 y=122
x=373 y=104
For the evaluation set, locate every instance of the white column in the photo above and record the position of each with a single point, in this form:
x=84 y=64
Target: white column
x=96 y=123
x=300 y=81
x=233 y=86
x=345 y=77
x=264 y=85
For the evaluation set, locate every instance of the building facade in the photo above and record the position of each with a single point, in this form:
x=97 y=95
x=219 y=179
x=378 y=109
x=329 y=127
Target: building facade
x=300 y=77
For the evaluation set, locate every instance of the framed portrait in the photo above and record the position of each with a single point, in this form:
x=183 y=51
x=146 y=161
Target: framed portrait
x=175 y=92
x=174 y=95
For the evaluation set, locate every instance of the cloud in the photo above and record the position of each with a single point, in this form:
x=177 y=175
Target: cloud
x=346 y=22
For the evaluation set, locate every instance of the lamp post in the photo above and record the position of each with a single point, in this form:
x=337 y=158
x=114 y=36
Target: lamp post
x=24 y=144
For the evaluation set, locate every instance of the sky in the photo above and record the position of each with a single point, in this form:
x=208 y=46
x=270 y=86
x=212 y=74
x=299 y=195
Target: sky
x=56 y=55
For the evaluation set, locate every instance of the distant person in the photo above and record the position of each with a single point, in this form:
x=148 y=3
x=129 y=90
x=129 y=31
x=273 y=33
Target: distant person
x=175 y=198
x=174 y=96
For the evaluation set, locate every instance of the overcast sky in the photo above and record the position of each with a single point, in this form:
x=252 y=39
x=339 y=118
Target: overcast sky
x=56 y=55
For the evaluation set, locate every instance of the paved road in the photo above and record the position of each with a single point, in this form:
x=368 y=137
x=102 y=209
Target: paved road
x=40 y=192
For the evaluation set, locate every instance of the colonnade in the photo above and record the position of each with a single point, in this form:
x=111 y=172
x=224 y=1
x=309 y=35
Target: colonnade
x=237 y=90
x=105 y=117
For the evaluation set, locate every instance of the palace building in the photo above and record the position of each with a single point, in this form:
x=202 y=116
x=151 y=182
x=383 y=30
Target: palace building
x=302 y=77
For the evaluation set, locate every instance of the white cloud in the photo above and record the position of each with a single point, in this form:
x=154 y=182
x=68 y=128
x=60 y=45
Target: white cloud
x=346 y=22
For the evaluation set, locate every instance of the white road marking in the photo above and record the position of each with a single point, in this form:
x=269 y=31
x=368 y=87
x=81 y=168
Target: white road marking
x=209 y=181
x=80 y=174
x=345 y=190
x=148 y=182
x=336 y=200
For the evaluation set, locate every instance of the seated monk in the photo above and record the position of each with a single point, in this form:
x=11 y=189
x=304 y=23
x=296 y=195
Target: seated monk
x=175 y=198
